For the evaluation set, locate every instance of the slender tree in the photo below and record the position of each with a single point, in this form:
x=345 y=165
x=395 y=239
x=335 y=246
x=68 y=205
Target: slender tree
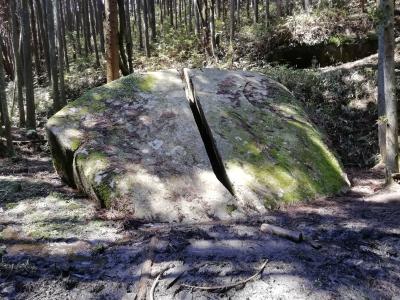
x=60 y=43
x=3 y=106
x=28 y=75
x=111 y=27
x=146 y=28
x=17 y=64
x=386 y=86
x=93 y=26
x=53 y=56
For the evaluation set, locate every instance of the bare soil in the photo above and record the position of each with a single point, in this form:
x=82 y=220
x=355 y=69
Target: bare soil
x=56 y=244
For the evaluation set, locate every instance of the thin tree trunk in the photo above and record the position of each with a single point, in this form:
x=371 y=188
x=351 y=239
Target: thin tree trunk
x=78 y=25
x=60 y=40
x=190 y=13
x=232 y=20
x=43 y=35
x=139 y=23
x=152 y=14
x=146 y=28
x=93 y=24
x=85 y=26
x=111 y=27
x=4 y=108
x=28 y=75
x=196 y=17
x=53 y=56
x=267 y=13
x=17 y=64
x=388 y=89
x=63 y=36
x=121 y=38
x=128 y=37
x=212 y=27
x=99 y=15
x=35 y=43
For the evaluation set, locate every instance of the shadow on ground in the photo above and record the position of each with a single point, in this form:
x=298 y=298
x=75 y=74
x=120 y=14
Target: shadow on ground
x=55 y=244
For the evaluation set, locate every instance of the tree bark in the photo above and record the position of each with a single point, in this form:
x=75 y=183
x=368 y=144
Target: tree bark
x=387 y=80
x=4 y=108
x=232 y=20
x=139 y=23
x=255 y=8
x=28 y=75
x=53 y=56
x=93 y=25
x=128 y=37
x=146 y=28
x=35 y=43
x=17 y=64
x=112 y=51
x=61 y=45
x=267 y=13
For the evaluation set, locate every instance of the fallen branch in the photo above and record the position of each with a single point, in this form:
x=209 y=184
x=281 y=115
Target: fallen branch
x=228 y=286
x=294 y=236
x=153 y=286
x=30 y=141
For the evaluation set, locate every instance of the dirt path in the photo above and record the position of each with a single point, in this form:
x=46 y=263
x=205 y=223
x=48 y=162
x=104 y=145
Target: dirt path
x=55 y=244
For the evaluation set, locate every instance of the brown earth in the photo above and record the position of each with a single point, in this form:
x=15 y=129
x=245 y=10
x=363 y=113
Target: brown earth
x=55 y=244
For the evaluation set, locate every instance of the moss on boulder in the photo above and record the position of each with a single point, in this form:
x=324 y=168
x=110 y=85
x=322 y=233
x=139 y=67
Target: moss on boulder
x=270 y=150
x=133 y=145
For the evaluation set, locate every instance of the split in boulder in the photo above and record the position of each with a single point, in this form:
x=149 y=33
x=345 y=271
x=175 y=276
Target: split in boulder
x=236 y=144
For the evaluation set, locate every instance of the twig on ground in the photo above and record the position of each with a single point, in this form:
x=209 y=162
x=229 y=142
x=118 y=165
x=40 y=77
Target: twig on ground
x=228 y=286
x=153 y=286
x=294 y=236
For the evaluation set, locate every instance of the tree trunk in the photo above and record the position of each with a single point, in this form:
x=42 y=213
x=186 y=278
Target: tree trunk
x=121 y=38
x=111 y=27
x=232 y=20
x=196 y=18
x=267 y=13
x=212 y=27
x=279 y=8
x=53 y=56
x=78 y=25
x=146 y=28
x=93 y=25
x=43 y=35
x=139 y=23
x=85 y=26
x=4 y=108
x=28 y=75
x=255 y=8
x=99 y=16
x=62 y=27
x=387 y=86
x=128 y=37
x=17 y=64
x=60 y=40
x=307 y=6
x=35 y=42
x=152 y=14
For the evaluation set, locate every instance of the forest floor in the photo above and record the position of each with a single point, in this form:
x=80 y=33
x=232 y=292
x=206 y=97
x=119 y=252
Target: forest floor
x=55 y=244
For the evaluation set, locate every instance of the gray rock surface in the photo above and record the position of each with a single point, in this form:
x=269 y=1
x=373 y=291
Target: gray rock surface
x=134 y=145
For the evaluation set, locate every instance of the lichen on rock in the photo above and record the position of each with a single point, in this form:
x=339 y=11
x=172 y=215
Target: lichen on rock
x=271 y=152
x=137 y=144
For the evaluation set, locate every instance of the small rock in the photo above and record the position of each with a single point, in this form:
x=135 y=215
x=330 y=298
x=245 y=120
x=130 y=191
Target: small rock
x=32 y=134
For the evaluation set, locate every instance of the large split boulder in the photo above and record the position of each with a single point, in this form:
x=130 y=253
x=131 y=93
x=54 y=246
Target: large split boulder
x=235 y=144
